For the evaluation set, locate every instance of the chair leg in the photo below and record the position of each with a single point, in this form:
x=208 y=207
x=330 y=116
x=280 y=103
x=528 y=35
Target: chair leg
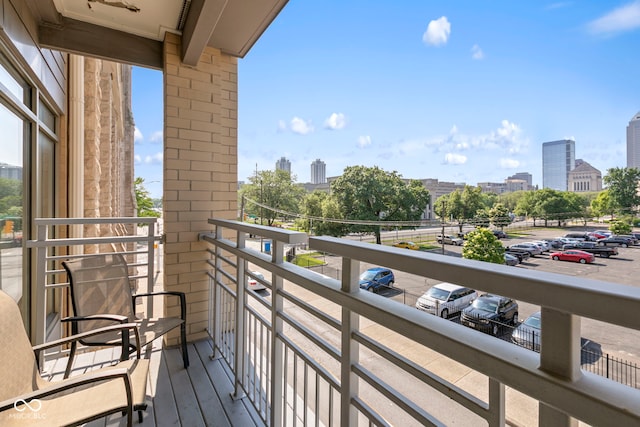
x=72 y=353
x=140 y=416
x=183 y=338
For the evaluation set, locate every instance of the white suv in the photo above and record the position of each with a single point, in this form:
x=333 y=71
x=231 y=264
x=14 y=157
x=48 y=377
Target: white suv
x=445 y=298
x=449 y=240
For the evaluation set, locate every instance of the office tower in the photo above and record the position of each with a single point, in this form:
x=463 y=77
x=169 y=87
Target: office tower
x=318 y=172
x=558 y=158
x=283 y=164
x=633 y=142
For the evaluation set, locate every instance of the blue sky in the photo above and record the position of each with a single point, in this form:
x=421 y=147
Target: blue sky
x=462 y=91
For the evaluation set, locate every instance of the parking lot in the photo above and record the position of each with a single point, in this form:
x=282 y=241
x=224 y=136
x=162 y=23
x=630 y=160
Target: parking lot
x=624 y=269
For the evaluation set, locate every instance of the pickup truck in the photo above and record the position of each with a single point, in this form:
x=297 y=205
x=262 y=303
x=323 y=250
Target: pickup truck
x=594 y=248
x=521 y=254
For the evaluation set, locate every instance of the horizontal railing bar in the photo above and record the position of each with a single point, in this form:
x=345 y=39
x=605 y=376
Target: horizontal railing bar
x=47 y=243
x=409 y=407
x=259 y=316
x=311 y=310
x=369 y=413
x=281 y=235
x=101 y=220
x=326 y=375
x=570 y=294
x=311 y=336
x=464 y=398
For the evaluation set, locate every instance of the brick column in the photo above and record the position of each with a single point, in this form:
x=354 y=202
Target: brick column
x=200 y=169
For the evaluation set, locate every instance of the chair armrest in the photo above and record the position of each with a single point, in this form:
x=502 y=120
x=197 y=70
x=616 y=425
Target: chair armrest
x=55 y=388
x=113 y=317
x=183 y=301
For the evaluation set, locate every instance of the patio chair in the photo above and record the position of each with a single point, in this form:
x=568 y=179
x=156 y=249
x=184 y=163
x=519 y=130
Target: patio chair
x=26 y=398
x=101 y=294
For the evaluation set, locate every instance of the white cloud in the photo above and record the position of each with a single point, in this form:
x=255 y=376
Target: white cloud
x=335 y=121
x=154 y=159
x=282 y=126
x=438 y=32
x=364 y=141
x=137 y=135
x=137 y=159
x=558 y=5
x=300 y=126
x=455 y=159
x=156 y=136
x=476 y=52
x=509 y=163
x=624 y=18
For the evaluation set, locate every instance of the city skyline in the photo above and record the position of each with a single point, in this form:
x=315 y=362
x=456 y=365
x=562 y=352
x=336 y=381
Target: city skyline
x=462 y=92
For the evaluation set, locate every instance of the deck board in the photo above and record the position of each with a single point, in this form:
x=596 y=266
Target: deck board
x=198 y=396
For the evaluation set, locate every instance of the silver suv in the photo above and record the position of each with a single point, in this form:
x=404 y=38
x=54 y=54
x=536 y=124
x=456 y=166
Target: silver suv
x=450 y=240
x=445 y=298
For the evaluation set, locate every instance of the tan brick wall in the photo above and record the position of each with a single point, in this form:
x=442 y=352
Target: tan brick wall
x=200 y=169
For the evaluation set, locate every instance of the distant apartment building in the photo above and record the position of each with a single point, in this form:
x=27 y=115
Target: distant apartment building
x=558 y=159
x=10 y=171
x=318 y=172
x=633 y=142
x=584 y=178
x=493 y=187
x=522 y=176
x=283 y=164
x=436 y=189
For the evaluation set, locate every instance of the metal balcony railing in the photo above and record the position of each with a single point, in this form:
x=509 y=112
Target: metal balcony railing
x=58 y=239
x=318 y=351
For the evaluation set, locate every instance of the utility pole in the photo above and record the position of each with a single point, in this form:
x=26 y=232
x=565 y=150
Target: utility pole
x=442 y=217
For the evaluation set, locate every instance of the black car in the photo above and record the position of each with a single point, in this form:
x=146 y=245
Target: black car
x=522 y=255
x=625 y=242
x=488 y=313
x=500 y=234
x=554 y=243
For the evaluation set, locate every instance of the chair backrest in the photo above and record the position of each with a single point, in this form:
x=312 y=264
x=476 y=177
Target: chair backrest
x=18 y=369
x=99 y=285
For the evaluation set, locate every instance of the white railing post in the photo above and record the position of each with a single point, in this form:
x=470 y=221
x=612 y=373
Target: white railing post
x=560 y=356
x=350 y=348
x=217 y=277
x=496 y=404
x=151 y=228
x=277 y=346
x=40 y=285
x=240 y=356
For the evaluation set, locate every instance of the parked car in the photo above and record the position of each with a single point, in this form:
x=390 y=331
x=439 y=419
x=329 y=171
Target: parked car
x=582 y=236
x=574 y=255
x=408 y=245
x=488 y=313
x=533 y=249
x=544 y=245
x=375 y=278
x=527 y=334
x=445 y=299
x=521 y=254
x=500 y=234
x=634 y=239
x=450 y=240
x=256 y=285
x=625 y=242
x=592 y=248
x=554 y=243
x=511 y=259
x=599 y=234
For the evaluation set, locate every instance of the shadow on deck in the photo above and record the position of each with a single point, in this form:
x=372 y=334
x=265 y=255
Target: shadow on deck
x=198 y=396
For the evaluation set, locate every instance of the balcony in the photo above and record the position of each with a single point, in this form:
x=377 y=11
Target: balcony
x=315 y=350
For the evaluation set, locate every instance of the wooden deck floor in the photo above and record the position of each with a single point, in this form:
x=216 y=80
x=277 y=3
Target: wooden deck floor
x=197 y=396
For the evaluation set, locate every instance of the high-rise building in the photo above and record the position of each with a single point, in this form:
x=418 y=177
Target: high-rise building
x=558 y=158
x=523 y=176
x=633 y=142
x=318 y=172
x=283 y=164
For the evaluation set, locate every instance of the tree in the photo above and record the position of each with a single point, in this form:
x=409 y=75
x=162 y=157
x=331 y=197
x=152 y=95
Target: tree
x=273 y=192
x=319 y=204
x=144 y=202
x=372 y=194
x=482 y=245
x=622 y=184
x=499 y=215
x=461 y=206
x=621 y=226
x=602 y=205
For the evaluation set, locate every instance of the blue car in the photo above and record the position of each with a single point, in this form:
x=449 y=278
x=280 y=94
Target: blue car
x=375 y=278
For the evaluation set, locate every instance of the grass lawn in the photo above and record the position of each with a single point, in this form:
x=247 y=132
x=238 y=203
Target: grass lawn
x=308 y=260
